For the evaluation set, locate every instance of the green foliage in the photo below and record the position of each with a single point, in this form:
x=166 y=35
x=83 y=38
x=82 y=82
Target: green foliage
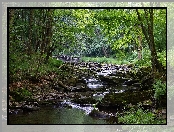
x=131 y=57
x=21 y=94
x=22 y=66
x=162 y=57
x=139 y=116
x=18 y=66
x=105 y=60
x=159 y=88
x=54 y=62
x=142 y=63
x=146 y=59
x=160 y=29
x=126 y=58
x=80 y=32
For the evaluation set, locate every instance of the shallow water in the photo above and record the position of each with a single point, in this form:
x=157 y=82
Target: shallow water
x=51 y=115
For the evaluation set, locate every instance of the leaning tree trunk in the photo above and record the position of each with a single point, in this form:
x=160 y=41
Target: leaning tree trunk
x=148 y=32
x=155 y=63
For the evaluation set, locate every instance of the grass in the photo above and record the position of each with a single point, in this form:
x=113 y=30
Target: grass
x=105 y=60
x=140 y=116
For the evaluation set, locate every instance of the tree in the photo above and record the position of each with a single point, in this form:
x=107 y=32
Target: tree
x=123 y=25
x=148 y=31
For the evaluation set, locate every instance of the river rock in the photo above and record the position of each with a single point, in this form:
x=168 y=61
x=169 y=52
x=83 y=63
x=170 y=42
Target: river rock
x=30 y=106
x=110 y=79
x=119 y=100
x=147 y=82
x=147 y=104
x=99 y=114
x=130 y=82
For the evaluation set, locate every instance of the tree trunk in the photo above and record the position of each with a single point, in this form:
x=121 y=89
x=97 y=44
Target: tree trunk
x=148 y=32
x=139 y=49
x=104 y=51
x=155 y=63
x=30 y=32
x=43 y=32
x=49 y=46
x=140 y=46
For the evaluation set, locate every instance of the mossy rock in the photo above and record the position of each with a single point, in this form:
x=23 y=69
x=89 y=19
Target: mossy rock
x=111 y=79
x=115 y=99
x=98 y=114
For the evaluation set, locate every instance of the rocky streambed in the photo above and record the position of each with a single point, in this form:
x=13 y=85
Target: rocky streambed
x=98 y=91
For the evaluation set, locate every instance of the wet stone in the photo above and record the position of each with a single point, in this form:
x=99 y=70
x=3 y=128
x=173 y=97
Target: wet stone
x=121 y=99
x=99 y=114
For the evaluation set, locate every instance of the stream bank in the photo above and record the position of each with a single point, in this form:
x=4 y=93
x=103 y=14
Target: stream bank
x=96 y=91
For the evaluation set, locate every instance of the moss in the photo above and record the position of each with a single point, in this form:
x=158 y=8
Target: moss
x=21 y=94
x=127 y=97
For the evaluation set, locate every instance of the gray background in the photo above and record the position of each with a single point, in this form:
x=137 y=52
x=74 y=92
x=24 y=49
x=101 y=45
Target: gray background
x=74 y=128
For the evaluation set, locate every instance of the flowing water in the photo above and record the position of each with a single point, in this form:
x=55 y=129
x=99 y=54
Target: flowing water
x=75 y=113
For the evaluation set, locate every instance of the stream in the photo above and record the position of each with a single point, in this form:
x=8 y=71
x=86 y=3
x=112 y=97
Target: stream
x=105 y=93
x=53 y=115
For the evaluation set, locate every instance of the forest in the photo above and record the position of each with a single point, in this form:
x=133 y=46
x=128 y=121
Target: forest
x=87 y=65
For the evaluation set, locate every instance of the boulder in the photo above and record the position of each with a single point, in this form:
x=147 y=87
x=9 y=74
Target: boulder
x=99 y=114
x=119 y=100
